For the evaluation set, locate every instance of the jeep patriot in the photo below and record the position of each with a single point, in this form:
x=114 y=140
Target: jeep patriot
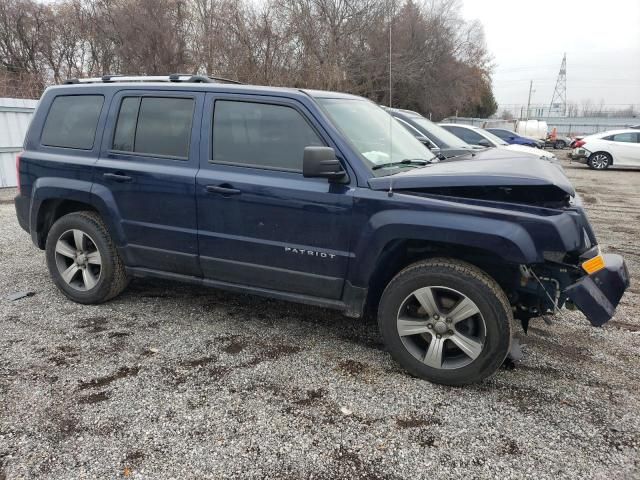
x=308 y=196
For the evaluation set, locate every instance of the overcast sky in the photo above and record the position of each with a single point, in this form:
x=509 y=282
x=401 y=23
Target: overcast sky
x=527 y=39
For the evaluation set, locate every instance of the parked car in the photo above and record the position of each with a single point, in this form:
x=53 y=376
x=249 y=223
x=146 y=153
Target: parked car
x=478 y=136
x=441 y=142
x=614 y=147
x=559 y=142
x=309 y=196
x=512 y=138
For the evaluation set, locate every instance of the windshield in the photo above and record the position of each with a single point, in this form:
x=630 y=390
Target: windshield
x=492 y=137
x=448 y=139
x=374 y=133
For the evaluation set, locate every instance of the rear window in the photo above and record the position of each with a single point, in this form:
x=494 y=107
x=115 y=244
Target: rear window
x=158 y=126
x=72 y=121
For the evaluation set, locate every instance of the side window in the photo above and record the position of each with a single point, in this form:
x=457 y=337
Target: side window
x=72 y=121
x=627 y=137
x=467 y=135
x=499 y=133
x=154 y=126
x=259 y=134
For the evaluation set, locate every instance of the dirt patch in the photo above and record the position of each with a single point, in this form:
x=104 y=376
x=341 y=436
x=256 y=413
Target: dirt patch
x=93 y=324
x=561 y=351
x=313 y=396
x=236 y=346
x=200 y=362
x=416 y=422
x=119 y=334
x=348 y=464
x=351 y=368
x=628 y=230
x=619 y=324
x=510 y=447
x=123 y=372
x=94 y=398
x=273 y=352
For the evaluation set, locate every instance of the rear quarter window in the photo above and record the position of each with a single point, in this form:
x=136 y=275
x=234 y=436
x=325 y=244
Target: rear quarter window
x=72 y=121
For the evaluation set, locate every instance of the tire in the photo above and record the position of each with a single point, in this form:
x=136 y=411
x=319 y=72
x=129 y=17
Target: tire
x=599 y=161
x=559 y=145
x=95 y=275
x=486 y=333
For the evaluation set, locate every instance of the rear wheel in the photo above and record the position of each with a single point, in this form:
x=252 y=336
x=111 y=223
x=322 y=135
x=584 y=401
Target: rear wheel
x=599 y=160
x=82 y=260
x=446 y=321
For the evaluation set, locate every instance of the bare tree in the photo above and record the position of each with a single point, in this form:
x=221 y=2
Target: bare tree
x=437 y=63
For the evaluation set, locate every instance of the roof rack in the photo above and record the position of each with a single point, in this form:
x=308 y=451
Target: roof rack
x=174 y=77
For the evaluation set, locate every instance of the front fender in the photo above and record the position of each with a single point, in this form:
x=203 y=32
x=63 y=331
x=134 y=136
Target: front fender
x=506 y=240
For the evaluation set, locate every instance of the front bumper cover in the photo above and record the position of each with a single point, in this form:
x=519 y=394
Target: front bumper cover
x=597 y=295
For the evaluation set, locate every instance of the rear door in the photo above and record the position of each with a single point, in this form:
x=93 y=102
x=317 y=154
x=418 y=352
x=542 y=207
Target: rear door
x=147 y=167
x=625 y=148
x=261 y=223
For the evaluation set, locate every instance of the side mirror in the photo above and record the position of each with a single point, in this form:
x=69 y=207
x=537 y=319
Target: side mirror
x=484 y=143
x=321 y=162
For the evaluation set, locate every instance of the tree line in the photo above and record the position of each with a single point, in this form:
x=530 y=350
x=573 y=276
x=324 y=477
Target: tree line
x=439 y=62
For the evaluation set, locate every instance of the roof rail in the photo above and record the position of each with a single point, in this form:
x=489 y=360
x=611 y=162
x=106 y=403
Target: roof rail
x=175 y=77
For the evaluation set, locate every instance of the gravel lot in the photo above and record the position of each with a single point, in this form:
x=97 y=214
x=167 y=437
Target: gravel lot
x=171 y=381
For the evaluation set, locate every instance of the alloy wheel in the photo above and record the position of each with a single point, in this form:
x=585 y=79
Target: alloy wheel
x=600 y=161
x=441 y=327
x=78 y=260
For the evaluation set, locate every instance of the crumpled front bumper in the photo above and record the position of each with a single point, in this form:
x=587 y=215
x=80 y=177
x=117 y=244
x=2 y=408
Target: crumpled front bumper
x=597 y=295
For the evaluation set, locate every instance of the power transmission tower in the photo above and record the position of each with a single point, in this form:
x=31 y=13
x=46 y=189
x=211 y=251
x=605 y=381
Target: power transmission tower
x=558 y=104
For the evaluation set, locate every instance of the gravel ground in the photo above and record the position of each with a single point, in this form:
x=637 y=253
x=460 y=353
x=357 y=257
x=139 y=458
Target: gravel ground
x=171 y=381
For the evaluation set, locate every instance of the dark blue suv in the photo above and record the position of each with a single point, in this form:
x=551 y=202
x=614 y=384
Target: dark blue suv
x=314 y=197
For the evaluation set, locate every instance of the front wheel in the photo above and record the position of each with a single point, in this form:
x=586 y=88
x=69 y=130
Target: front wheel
x=446 y=321
x=82 y=259
x=559 y=145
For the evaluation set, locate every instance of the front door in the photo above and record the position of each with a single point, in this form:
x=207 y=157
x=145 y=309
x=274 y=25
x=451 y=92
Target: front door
x=147 y=167
x=261 y=223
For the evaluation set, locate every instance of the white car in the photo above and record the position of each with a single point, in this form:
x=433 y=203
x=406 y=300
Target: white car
x=479 y=136
x=614 y=147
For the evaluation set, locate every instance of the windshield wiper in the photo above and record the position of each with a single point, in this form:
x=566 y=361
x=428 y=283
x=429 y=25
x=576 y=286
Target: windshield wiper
x=406 y=161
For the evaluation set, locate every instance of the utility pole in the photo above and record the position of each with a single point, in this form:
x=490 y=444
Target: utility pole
x=529 y=101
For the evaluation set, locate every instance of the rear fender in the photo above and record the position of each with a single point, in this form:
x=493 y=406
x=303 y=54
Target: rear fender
x=63 y=189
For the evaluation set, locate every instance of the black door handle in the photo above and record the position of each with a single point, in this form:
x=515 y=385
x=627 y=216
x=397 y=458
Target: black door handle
x=224 y=191
x=117 y=177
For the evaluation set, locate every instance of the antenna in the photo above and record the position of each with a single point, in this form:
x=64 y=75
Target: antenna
x=389 y=4
x=558 y=104
x=390 y=83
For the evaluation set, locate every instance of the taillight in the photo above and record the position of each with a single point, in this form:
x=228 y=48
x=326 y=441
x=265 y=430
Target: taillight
x=18 y=173
x=580 y=143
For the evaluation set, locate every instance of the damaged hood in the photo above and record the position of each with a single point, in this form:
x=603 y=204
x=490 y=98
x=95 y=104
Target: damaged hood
x=492 y=168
